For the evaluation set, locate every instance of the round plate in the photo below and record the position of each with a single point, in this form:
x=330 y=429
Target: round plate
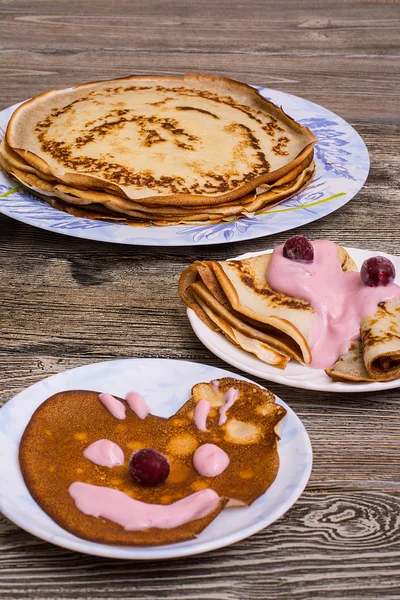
x=295 y=374
x=166 y=385
x=342 y=165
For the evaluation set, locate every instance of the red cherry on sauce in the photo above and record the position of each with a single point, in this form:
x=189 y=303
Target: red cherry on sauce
x=149 y=467
x=298 y=248
x=377 y=270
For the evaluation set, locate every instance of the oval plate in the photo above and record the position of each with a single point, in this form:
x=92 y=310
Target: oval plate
x=342 y=165
x=166 y=385
x=295 y=374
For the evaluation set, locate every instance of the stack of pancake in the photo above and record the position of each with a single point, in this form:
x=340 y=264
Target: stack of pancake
x=158 y=150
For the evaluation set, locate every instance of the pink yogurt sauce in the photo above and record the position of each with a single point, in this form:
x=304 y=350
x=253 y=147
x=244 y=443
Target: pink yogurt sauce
x=131 y=514
x=230 y=398
x=114 y=406
x=340 y=299
x=137 y=403
x=215 y=385
x=201 y=412
x=209 y=460
x=105 y=453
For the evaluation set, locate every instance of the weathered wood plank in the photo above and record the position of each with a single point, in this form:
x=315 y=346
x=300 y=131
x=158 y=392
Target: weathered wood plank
x=347 y=542
x=65 y=302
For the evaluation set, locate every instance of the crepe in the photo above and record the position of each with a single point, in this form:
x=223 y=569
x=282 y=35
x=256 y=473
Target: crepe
x=234 y=296
x=238 y=292
x=115 y=206
x=350 y=366
x=376 y=357
x=153 y=148
x=380 y=334
x=198 y=135
x=263 y=351
x=52 y=446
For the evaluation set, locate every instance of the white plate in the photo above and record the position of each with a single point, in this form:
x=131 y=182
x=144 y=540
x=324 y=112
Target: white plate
x=166 y=385
x=295 y=374
x=342 y=165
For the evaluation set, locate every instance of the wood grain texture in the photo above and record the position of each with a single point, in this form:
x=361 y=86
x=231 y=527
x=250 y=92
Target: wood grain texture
x=66 y=302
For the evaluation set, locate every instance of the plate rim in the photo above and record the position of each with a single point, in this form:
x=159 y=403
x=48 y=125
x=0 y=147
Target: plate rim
x=331 y=386
x=177 y=237
x=164 y=552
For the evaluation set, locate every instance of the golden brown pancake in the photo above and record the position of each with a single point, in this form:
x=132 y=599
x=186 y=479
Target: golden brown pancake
x=179 y=138
x=88 y=202
x=51 y=457
x=376 y=357
x=237 y=291
x=166 y=150
x=248 y=437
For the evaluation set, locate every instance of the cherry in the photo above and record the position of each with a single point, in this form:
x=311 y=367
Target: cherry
x=149 y=467
x=377 y=270
x=298 y=248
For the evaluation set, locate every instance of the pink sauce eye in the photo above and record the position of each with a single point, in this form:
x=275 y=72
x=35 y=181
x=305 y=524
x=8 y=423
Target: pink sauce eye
x=298 y=248
x=376 y=271
x=148 y=467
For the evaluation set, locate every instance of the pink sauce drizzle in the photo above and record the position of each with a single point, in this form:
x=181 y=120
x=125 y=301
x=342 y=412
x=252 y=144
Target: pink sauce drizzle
x=230 y=398
x=131 y=514
x=209 y=460
x=340 y=299
x=114 y=406
x=104 y=453
x=215 y=385
x=137 y=403
x=201 y=413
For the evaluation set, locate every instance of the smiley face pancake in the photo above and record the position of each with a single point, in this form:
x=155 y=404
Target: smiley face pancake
x=76 y=457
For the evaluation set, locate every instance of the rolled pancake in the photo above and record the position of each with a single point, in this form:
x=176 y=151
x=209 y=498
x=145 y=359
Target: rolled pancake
x=197 y=138
x=376 y=357
x=51 y=457
x=350 y=366
x=380 y=336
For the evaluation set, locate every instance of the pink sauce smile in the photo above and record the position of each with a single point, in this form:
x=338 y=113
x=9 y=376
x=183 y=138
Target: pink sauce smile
x=131 y=514
x=340 y=299
x=209 y=460
x=114 y=406
x=201 y=413
x=230 y=398
x=137 y=403
x=104 y=453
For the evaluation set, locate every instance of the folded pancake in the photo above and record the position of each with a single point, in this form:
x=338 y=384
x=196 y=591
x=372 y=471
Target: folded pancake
x=51 y=457
x=234 y=296
x=254 y=346
x=238 y=292
x=191 y=140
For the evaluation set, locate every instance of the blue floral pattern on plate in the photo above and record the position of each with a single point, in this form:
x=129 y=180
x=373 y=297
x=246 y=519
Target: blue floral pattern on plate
x=165 y=385
x=342 y=165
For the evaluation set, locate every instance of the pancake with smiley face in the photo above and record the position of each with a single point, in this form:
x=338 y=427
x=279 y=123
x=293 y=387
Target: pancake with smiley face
x=75 y=457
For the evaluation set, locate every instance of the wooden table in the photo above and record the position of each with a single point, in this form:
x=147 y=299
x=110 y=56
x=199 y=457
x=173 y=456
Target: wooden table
x=67 y=302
